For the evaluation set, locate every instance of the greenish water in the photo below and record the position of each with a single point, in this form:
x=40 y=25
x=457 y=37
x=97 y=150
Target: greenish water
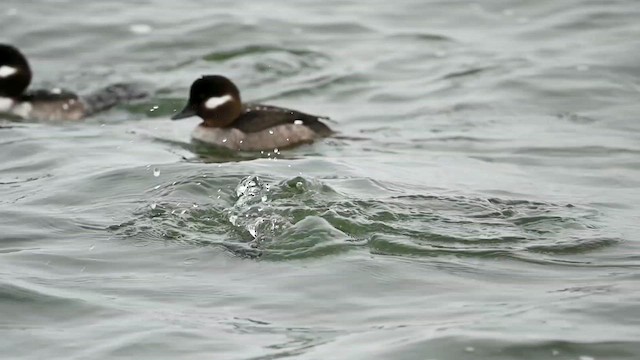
x=481 y=202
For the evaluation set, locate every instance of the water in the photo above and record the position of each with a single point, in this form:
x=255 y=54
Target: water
x=482 y=201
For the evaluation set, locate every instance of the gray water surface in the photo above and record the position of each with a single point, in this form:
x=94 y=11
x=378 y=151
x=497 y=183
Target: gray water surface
x=481 y=202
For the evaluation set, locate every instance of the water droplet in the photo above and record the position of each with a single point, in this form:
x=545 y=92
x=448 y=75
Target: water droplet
x=183 y=212
x=271 y=132
x=241 y=141
x=298 y=122
x=156 y=172
x=299 y=185
x=264 y=198
x=153 y=206
x=276 y=150
x=224 y=140
x=195 y=206
x=140 y=29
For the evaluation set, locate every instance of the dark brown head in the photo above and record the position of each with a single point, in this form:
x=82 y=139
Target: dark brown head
x=15 y=73
x=215 y=99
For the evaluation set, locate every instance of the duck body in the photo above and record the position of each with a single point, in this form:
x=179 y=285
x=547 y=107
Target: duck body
x=45 y=105
x=264 y=127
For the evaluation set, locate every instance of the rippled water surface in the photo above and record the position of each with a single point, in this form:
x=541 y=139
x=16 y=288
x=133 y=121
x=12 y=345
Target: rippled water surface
x=481 y=202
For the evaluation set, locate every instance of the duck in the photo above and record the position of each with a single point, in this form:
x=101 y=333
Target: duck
x=53 y=104
x=229 y=123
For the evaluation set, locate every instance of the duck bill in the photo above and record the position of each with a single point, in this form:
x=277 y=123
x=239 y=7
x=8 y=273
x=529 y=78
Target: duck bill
x=187 y=112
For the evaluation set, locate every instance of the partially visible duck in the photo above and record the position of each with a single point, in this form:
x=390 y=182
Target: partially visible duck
x=229 y=123
x=55 y=104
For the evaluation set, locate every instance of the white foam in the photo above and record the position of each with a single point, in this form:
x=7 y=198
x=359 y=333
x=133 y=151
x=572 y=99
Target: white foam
x=214 y=102
x=6 y=71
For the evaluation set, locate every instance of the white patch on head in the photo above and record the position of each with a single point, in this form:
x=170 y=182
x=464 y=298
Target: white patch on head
x=214 y=102
x=6 y=71
x=5 y=104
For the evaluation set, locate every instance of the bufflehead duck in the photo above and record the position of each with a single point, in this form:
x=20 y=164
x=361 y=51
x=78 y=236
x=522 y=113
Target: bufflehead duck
x=229 y=123
x=54 y=104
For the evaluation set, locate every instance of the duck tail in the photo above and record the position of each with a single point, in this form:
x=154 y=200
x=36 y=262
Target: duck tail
x=113 y=95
